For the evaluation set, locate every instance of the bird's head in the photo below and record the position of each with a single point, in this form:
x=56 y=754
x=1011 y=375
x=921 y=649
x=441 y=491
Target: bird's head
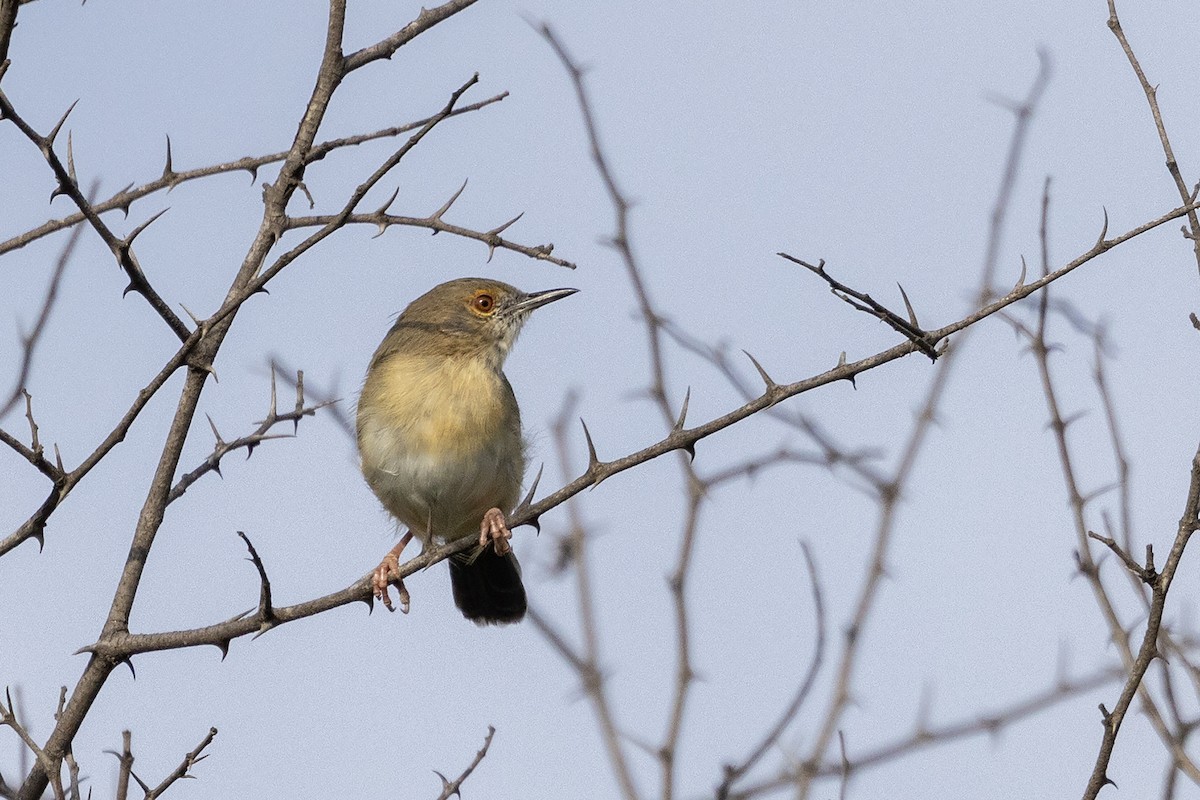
x=474 y=316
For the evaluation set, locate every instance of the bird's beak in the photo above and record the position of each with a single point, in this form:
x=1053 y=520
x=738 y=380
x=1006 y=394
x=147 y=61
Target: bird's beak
x=538 y=299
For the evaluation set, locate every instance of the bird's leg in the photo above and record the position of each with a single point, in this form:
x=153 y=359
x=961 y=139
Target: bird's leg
x=494 y=530
x=388 y=572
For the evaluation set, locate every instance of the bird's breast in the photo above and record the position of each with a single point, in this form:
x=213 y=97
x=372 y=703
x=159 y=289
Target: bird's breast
x=440 y=441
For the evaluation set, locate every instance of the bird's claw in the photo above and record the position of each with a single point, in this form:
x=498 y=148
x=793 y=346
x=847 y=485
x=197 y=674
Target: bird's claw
x=494 y=530
x=387 y=574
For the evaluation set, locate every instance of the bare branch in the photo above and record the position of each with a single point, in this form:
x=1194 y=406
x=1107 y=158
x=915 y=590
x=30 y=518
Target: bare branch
x=924 y=737
x=735 y=772
x=261 y=434
x=122 y=249
x=451 y=788
x=860 y=301
x=1151 y=92
x=434 y=222
x=185 y=766
x=125 y=198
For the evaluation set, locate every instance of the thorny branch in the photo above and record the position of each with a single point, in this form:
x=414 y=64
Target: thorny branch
x=1192 y=231
x=435 y=223
x=199 y=347
x=1136 y=663
x=891 y=491
x=860 y=301
x=587 y=662
x=451 y=788
x=125 y=644
x=925 y=735
x=221 y=448
x=68 y=184
x=171 y=178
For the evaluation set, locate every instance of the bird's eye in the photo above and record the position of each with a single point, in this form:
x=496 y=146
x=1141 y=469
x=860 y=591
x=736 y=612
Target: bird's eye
x=484 y=303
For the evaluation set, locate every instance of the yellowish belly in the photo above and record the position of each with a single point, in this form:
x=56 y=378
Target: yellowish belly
x=440 y=443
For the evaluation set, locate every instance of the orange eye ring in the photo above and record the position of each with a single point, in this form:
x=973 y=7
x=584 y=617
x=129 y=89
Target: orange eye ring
x=484 y=303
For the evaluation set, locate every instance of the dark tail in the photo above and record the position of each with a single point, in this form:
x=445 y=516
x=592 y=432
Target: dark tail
x=488 y=589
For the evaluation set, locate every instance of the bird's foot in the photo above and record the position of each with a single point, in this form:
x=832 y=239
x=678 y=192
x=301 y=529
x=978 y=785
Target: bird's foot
x=387 y=574
x=494 y=530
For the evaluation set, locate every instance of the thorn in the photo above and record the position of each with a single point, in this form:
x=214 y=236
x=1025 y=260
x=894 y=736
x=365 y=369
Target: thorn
x=1071 y=419
x=216 y=433
x=49 y=140
x=128 y=201
x=528 y=501
x=168 y=172
x=188 y=311
x=253 y=174
x=1103 y=231
x=59 y=189
x=446 y=785
x=383 y=208
x=494 y=236
x=1021 y=280
x=127 y=661
x=762 y=373
x=683 y=413
x=912 y=315
x=71 y=157
x=262 y=628
x=842 y=363
x=58 y=462
x=502 y=228
x=593 y=461
x=223 y=646
x=437 y=215
x=129 y=287
x=137 y=231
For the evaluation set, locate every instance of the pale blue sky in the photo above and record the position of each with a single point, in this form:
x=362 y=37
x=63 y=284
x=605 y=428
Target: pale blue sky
x=866 y=134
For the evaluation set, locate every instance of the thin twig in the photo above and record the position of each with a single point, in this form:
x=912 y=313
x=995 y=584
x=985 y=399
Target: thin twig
x=1193 y=230
x=735 y=772
x=185 y=766
x=30 y=340
x=452 y=788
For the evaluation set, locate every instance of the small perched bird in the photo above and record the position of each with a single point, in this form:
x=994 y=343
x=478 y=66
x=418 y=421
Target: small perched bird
x=439 y=433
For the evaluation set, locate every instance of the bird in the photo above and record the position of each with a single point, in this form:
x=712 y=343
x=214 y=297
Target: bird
x=439 y=437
